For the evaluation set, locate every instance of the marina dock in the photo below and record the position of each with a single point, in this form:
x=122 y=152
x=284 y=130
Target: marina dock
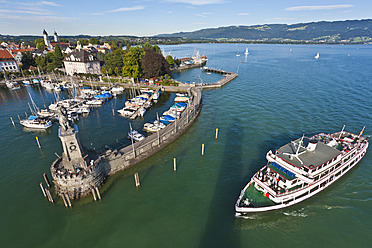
x=134 y=116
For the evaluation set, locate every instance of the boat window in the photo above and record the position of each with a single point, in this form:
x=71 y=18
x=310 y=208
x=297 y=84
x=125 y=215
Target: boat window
x=306 y=169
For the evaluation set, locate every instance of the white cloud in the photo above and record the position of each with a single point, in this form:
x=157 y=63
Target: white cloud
x=30 y=12
x=243 y=14
x=197 y=2
x=201 y=15
x=41 y=19
x=126 y=9
x=320 y=7
x=48 y=3
x=204 y=15
x=120 y=10
x=40 y=3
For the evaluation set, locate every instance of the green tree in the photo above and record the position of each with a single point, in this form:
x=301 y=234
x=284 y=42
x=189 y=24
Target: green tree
x=154 y=64
x=57 y=57
x=157 y=49
x=170 y=60
x=83 y=42
x=64 y=40
x=40 y=45
x=41 y=62
x=94 y=41
x=27 y=60
x=114 y=60
x=132 y=62
x=147 y=45
x=103 y=71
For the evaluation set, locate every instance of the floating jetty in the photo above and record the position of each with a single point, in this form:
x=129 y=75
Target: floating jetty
x=80 y=172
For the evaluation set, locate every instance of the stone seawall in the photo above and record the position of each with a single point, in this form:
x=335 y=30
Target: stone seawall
x=121 y=159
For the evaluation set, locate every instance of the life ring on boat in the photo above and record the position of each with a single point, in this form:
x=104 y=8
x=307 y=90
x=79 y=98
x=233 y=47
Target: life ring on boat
x=267 y=195
x=72 y=147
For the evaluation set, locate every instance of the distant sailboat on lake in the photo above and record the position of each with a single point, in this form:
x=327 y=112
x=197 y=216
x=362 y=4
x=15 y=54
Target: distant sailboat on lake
x=317 y=56
x=246 y=51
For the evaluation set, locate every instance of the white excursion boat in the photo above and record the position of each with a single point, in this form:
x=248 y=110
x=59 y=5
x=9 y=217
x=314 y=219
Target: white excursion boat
x=301 y=169
x=35 y=123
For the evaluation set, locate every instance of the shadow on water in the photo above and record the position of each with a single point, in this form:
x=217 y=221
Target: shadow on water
x=219 y=230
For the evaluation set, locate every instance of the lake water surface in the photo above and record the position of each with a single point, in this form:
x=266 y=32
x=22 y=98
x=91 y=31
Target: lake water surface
x=278 y=96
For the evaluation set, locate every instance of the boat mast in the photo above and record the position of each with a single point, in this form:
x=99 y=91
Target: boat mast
x=341 y=132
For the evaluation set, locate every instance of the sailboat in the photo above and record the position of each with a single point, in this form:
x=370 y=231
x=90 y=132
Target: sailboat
x=246 y=51
x=317 y=56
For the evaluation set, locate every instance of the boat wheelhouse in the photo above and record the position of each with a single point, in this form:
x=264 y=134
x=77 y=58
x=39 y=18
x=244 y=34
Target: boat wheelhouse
x=301 y=169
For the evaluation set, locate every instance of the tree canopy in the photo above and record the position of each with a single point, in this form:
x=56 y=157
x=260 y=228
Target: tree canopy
x=113 y=60
x=154 y=64
x=27 y=60
x=132 y=62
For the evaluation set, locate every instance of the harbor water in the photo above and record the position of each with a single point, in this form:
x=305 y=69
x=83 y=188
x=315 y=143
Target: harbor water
x=281 y=92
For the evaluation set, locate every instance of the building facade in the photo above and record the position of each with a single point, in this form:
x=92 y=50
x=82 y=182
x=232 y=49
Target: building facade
x=81 y=61
x=7 y=62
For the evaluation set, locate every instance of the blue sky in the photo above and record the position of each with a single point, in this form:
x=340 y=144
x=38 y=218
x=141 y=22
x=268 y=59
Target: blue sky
x=151 y=17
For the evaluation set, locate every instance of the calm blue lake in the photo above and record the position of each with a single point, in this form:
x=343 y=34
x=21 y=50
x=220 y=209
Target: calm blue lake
x=278 y=96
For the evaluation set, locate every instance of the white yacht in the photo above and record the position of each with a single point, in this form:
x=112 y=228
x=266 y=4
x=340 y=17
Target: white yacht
x=136 y=136
x=300 y=170
x=35 y=123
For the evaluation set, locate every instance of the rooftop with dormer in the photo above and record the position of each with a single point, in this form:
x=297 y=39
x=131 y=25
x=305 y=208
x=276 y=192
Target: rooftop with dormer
x=80 y=56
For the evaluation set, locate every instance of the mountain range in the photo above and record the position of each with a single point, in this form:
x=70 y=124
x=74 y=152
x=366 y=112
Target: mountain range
x=349 y=31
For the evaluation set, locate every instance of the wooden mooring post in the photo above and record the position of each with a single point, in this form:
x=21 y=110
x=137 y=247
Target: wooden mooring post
x=98 y=194
x=216 y=133
x=64 y=201
x=46 y=179
x=202 y=149
x=38 y=143
x=49 y=195
x=68 y=200
x=12 y=121
x=136 y=179
x=174 y=165
x=42 y=189
x=94 y=195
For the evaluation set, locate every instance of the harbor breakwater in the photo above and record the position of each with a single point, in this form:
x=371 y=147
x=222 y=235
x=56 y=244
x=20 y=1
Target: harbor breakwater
x=80 y=177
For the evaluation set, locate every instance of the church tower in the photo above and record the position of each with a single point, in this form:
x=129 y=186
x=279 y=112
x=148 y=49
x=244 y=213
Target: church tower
x=46 y=39
x=55 y=36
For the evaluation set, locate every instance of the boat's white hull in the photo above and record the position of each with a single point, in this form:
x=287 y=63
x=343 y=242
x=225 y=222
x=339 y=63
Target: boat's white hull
x=304 y=193
x=32 y=125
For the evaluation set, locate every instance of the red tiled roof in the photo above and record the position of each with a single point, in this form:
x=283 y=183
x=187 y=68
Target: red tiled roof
x=22 y=50
x=6 y=56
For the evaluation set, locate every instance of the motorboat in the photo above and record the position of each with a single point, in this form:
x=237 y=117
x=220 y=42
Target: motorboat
x=36 y=123
x=127 y=111
x=136 y=136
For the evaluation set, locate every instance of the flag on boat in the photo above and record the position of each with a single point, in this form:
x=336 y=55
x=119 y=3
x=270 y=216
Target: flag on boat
x=361 y=132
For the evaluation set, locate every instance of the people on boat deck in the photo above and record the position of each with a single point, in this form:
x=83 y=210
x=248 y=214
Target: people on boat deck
x=272 y=178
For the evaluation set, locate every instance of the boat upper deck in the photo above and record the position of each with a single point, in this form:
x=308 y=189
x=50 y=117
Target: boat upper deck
x=321 y=154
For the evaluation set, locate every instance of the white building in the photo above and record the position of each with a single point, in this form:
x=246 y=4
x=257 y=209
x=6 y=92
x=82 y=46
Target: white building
x=7 y=62
x=81 y=61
